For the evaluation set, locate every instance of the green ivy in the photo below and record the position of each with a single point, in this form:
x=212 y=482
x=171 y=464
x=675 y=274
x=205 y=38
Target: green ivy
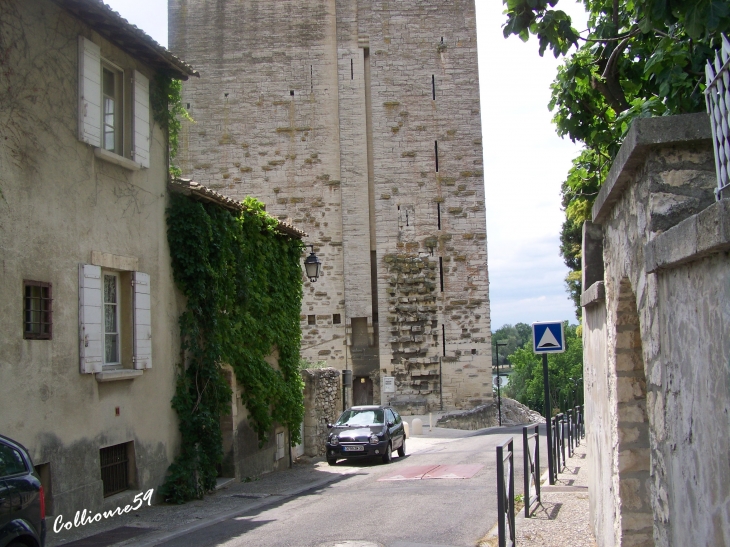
x=167 y=110
x=242 y=282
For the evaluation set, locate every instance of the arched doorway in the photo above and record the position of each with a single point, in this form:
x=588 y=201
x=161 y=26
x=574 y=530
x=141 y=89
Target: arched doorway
x=635 y=512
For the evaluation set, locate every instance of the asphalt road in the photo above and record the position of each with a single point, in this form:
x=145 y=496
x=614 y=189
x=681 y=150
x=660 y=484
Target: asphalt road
x=359 y=510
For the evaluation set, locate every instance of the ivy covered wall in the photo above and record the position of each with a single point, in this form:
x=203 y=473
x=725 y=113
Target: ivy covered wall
x=243 y=284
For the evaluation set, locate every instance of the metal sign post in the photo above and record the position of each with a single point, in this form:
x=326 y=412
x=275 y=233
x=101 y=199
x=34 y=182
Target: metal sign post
x=548 y=337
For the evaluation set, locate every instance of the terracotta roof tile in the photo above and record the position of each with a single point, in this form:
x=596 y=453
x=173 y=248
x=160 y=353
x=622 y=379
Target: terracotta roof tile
x=127 y=36
x=192 y=188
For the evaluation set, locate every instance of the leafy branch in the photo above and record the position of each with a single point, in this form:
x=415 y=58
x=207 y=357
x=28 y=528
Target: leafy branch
x=638 y=58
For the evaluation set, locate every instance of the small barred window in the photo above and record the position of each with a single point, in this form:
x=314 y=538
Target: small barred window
x=37 y=310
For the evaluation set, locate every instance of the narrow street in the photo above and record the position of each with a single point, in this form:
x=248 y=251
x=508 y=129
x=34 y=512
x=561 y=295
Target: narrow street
x=364 y=507
x=349 y=504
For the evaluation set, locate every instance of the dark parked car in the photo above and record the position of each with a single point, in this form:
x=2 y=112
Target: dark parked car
x=366 y=431
x=22 y=504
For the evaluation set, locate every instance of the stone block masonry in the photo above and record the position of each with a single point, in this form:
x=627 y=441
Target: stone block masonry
x=656 y=349
x=359 y=123
x=322 y=405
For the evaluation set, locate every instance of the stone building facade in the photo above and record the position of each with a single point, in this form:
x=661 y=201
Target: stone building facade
x=656 y=346
x=358 y=122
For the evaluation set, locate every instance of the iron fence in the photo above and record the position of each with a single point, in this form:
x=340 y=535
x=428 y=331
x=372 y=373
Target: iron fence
x=578 y=425
x=717 y=99
x=570 y=432
x=563 y=434
x=559 y=443
x=506 y=493
x=531 y=458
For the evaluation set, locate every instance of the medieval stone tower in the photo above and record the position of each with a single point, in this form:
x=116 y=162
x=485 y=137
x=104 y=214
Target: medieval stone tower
x=358 y=122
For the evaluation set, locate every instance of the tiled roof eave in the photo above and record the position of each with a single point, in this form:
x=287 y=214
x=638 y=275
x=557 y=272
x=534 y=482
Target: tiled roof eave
x=127 y=36
x=199 y=191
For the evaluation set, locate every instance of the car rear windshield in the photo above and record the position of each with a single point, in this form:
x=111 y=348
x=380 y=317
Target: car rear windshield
x=361 y=417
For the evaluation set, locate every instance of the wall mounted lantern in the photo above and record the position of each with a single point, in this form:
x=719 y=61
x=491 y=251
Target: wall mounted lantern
x=312 y=265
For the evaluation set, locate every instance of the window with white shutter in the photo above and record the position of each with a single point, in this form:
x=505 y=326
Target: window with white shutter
x=90 y=319
x=89 y=92
x=107 y=106
x=141 y=132
x=142 y=321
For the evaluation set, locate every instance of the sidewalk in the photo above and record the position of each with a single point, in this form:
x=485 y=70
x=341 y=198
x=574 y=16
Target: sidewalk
x=562 y=517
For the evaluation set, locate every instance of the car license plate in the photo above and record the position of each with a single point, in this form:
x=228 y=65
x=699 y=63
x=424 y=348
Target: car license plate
x=357 y=448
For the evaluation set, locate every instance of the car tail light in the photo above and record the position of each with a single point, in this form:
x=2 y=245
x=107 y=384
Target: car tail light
x=43 y=503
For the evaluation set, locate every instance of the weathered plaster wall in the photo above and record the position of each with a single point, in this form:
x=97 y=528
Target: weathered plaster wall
x=656 y=350
x=332 y=112
x=60 y=203
x=322 y=405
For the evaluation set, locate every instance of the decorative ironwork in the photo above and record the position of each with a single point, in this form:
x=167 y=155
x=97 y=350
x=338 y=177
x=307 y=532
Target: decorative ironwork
x=506 y=493
x=531 y=458
x=717 y=99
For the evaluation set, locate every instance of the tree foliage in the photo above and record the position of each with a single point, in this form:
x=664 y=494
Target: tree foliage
x=168 y=110
x=514 y=337
x=242 y=283
x=637 y=58
x=526 y=383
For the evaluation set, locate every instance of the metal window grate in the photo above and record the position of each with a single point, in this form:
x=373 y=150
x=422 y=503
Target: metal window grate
x=114 y=465
x=37 y=310
x=717 y=98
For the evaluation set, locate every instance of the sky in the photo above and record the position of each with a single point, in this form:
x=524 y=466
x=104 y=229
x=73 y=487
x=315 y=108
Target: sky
x=525 y=163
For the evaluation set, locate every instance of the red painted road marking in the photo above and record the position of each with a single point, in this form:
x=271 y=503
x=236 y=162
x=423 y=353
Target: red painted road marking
x=417 y=472
x=453 y=471
x=414 y=472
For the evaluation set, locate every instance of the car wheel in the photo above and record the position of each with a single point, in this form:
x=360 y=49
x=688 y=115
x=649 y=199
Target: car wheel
x=388 y=456
x=332 y=461
x=402 y=449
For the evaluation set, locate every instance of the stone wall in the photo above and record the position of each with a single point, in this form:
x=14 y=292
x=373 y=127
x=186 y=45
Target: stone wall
x=322 y=405
x=513 y=413
x=476 y=418
x=657 y=384
x=359 y=123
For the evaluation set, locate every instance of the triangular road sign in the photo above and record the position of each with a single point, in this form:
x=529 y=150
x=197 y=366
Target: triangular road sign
x=548 y=340
x=548 y=337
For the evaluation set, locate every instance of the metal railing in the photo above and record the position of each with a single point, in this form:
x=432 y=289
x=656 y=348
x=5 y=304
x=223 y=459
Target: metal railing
x=717 y=99
x=578 y=425
x=531 y=459
x=563 y=434
x=506 y=494
x=558 y=443
x=569 y=424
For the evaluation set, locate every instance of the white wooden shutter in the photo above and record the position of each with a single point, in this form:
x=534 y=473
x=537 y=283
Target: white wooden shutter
x=89 y=92
x=90 y=319
x=142 y=321
x=141 y=132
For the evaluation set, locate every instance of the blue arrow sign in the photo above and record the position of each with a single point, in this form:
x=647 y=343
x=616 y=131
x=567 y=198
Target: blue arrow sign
x=547 y=337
